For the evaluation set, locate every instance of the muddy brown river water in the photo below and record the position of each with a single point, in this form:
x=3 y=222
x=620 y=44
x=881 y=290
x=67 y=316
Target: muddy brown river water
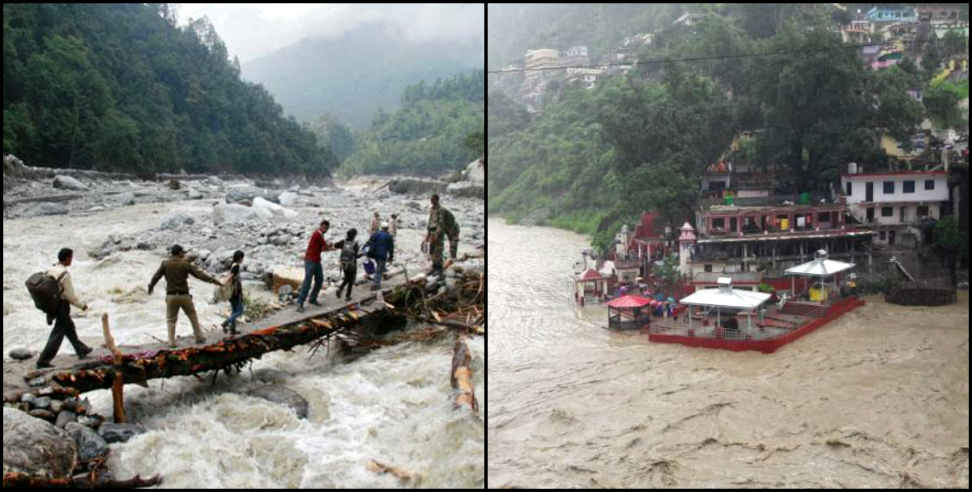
x=877 y=398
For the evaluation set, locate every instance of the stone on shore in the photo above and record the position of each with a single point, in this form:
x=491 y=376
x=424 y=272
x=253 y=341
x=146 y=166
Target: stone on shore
x=112 y=432
x=21 y=353
x=68 y=183
x=234 y=213
x=175 y=220
x=36 y=447
x=276 y=210
x=90 y=444
x=284 y=396
x=64 y=417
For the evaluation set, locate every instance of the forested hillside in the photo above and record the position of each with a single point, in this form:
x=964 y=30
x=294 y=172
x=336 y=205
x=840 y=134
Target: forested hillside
x=597 y=158
x=355 y=75
x=120 y=87
x=438 y=128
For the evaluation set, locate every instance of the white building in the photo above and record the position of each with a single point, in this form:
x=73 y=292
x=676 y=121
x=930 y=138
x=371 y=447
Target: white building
x=894 y=203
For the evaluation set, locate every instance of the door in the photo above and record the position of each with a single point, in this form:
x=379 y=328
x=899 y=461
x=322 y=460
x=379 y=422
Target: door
x=891 y=238
x=869 y=192
x=870 y=215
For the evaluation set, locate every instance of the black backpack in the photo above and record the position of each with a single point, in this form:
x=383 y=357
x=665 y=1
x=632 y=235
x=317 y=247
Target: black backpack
x=45 y=290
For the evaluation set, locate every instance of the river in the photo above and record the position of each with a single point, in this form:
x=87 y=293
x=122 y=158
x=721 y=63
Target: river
x=392 y=405
x=878 y=398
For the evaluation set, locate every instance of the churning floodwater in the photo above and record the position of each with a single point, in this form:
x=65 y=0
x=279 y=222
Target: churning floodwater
x=878 y=398
x=392 y=405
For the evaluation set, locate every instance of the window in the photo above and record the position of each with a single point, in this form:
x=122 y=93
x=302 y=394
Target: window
x=882 y=236
x=708 y=268
x=929 y=184
x=719 y=223
x=923 y=211
x=889 y=187
x=908 y=186
x=823 y=217
x=887 y=211
x=849 y=188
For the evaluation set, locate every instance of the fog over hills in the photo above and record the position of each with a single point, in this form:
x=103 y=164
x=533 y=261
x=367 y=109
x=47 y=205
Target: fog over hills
x=351 y=76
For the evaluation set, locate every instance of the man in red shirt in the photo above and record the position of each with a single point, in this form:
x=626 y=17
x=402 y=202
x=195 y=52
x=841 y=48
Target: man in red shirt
x=312 y=266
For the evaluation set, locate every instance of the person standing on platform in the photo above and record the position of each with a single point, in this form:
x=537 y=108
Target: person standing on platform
x=381 y=248
x=312 y=266
x=441 y=224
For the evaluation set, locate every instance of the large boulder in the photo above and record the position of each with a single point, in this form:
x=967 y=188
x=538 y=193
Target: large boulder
x=68 y=183
x=90 y=444
x=174 y=220
x=476 y=171
x=126 y=198
x=466 y=189
x=235 y=213
x=413 y=185
x=289 y=198
x=46 y=208
x=14 y=167
x=243 y=194
x=283 y=396
x=35 y=447
x=273 y=208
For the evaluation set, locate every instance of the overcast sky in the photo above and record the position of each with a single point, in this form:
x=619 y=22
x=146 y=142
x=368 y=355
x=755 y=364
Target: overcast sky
x=251 y=30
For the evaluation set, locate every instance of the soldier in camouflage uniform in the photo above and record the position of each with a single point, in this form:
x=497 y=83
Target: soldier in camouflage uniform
x=441 y=224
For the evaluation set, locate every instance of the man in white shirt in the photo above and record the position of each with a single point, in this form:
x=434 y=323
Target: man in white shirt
x=63 y=325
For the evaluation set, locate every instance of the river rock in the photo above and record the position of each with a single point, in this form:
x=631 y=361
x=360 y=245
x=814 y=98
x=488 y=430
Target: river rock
x=268 y=375
x=234 y=213
x=126 y=198
x=20 y=353
x=56 y=406
x=175 y=220
x=68 y=183
x=27 y=398
x=194 y=194
x=36 y=447
x=41 y=413
x=113 y=432
x=242 y=194
x=284 y=396
x=46 y=208
x=63 y=417
x=413 y=185
x=42 y=402
x=276 y=210
x=289 y=198
x=475 y=172
x=213 y=181
x=90 y=444
x=466 y=189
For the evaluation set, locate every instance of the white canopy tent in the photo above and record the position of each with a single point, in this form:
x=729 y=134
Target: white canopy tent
x=819 y=267
x=725 y=297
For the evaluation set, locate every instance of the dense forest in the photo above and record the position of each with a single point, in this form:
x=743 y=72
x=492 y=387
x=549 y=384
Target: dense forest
x=120 y=87
x=350 y=77
x=597 y=158
x=438 y=128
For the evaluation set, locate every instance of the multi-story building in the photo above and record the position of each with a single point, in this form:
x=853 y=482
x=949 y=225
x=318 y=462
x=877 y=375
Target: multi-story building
x=895 y=203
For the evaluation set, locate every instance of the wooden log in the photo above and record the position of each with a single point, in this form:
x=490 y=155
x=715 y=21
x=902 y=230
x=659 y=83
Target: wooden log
x=17 y=479
x=118 y=385
x=462 y=376
x=62 y=197
x=402 y=475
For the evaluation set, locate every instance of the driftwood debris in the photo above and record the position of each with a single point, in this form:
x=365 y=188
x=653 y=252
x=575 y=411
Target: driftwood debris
x=403 y=475
x=118 y=385
x=61 y=197
x=462 y=376
x=16 y=479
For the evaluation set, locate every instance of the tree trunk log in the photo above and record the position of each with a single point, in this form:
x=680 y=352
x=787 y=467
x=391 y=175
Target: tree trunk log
x=462 y=376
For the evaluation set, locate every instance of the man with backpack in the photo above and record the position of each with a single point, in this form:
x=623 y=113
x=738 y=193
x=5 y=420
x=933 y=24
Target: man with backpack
x=177 y=269
x=60 y=311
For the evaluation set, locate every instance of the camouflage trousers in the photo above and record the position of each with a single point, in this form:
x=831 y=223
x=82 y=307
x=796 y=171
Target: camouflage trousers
x=437 y=248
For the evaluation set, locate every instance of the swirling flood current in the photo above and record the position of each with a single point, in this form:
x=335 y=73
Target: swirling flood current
x=392 y=405
x=877 y=398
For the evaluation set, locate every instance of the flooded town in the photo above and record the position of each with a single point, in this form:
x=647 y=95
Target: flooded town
x=728 y=246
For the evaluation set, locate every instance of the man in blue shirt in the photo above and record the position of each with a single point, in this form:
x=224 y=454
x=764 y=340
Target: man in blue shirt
x=381 y=248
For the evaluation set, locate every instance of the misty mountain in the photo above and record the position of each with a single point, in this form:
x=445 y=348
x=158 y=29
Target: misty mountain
x=352 y=76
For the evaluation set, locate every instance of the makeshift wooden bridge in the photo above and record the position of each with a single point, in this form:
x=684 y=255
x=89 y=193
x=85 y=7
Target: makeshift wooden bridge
x=113 y=367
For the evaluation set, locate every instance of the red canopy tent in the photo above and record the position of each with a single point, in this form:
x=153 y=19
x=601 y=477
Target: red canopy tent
x=626 y=312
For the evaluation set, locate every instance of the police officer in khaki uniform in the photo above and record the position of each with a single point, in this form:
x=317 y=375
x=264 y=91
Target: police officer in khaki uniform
x=177 y=269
